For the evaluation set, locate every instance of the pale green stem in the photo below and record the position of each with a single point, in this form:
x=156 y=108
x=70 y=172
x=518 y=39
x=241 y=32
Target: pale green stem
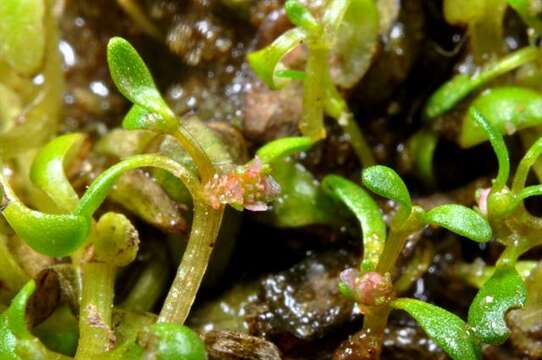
x=183 y=291
x=95 y=334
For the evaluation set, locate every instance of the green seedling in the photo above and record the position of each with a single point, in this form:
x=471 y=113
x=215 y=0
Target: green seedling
x=348 y=32
x=372 y=287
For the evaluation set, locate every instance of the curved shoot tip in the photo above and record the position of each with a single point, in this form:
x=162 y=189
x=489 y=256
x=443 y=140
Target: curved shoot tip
x=499 y=147
x=366 y=211
x=281 y=148
x=267 y=62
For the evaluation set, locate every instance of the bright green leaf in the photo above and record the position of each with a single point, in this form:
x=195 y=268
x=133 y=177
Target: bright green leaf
x=283 y=147
x=267 y=61
x=300 y=16
x=16 y=313
x=385 y=182
x=447 y=330
x=139 y=118
x=503 y=291
x=47 y=171
x=133 y=79
x=176 y=342
x=368 y=214
x=22 y=34
x=460 y=220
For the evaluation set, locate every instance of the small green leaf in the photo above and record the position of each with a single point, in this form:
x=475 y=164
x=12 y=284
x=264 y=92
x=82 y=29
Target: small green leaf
x=22 y=34
x=369 y=216
x=385 y=182
x=174 y=342
x=133 y=79
x=461 y=220
x=283 y=147
x=139 y=118
x=447 y=330
x=499 y=146
x=16 y=313
x=47 y=171
x=49 y=234
x=300 y=16
x=508 y=109
x=267 y=61
x=503 y=291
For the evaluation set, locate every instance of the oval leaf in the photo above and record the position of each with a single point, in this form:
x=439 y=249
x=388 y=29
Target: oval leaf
x=447 y=330
x=385 y=182
x=369 y=216
x=460 y=220
x=503 y=291
x=47 y=171
x=22 y=34
x=266 y=62
x=16 y=313
x=174 y=341
x=283 y=147
x=117 y=240
x=132 y=77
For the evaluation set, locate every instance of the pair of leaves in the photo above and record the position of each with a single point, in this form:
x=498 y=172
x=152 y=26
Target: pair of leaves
x=135 y=82
x=503 y=291
x=456 y=218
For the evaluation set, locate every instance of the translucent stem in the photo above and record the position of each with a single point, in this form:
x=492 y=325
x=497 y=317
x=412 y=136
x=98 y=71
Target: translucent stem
x=312 y=121
x=193 y=265
x=357 y=140
x=200 y=157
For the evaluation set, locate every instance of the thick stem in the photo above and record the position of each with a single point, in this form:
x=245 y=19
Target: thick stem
x=193 y=265
x=374 y=326
x=95 y=335
x=394 y=245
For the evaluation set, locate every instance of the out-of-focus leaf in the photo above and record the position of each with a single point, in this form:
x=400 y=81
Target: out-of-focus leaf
x=508 y=109
x=302 y=202
x=22 y=34
x=447 y=330
x=457 y=88
x=142 y=196
x=368 y=214
x=47 y=171
x=385 y=182
x=355 y=26
x=12 y=275
x=122 y=143
x=527 y=9
x=461 y=220
x=10 y=108
x=299 y=15
x=60 y=332
x=503 y=291
x=422 y=147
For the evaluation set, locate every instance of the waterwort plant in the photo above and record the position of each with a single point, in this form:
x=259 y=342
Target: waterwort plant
x=372 y=285
x=347 y=32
